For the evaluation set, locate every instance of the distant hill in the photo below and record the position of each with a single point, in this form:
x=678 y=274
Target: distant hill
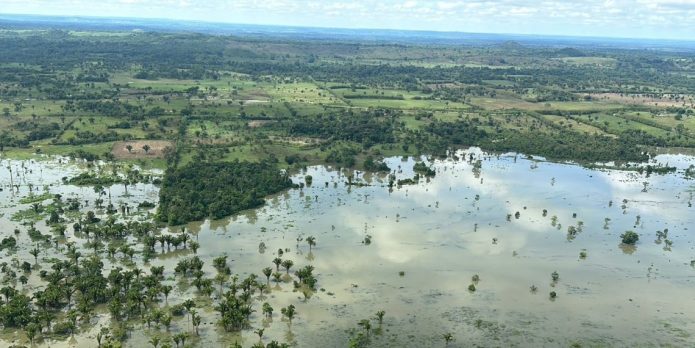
x=512 y=45
x=569 y=52
x=517 y=41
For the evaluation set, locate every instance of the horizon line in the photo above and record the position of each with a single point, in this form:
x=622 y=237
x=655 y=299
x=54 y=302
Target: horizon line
x=200 y=21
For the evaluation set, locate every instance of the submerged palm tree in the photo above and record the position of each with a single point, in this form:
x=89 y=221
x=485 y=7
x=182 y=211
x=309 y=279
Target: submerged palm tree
x=267 y=272
x=287 y=264
x=35 y=253
x=311 y=240
x=154 y=341
x=289 y=312
x=259 y=332
x=277 y=261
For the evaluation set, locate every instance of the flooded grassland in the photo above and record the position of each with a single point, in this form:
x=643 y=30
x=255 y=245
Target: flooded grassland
x=475 y=251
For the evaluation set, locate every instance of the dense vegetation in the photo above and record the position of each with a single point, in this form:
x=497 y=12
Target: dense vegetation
x=200 y=190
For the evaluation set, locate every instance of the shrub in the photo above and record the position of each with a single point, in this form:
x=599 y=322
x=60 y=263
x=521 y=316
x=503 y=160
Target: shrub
x=629 y=237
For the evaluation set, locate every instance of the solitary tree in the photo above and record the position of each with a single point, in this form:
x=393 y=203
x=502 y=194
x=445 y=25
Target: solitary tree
x=365 y=324
x=629 y=237
x=129 y=148
x=259 y=332
x=289 y=312
x=35 y=253
x=267 y=310
x=311 y=240
x=146 y=148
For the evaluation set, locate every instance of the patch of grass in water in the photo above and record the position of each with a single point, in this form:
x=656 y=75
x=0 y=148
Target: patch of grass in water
x=32 y=198
x=27 y=215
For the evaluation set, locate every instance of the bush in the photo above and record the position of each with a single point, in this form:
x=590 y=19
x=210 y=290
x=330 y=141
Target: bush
x=8 y=243
x=423 y=169
x=629 y=237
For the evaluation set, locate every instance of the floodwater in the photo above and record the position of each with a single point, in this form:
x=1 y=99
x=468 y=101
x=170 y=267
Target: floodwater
x=427 y=242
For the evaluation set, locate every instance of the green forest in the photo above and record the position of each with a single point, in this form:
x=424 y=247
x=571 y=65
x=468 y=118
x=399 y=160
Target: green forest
x=215 y=190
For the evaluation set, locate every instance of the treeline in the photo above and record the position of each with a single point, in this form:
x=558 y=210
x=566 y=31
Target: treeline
x=566 y=145
x=200 y=190
x=197 y=56
x=368 y=128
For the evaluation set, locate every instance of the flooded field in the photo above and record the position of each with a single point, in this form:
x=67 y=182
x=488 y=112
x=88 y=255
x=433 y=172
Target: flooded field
x=474 y=251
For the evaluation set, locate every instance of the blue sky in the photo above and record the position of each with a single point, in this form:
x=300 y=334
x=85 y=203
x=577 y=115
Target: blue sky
x=669 y=19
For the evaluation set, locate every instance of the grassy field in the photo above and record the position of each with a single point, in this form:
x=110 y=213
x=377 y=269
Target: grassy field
x=272 y=100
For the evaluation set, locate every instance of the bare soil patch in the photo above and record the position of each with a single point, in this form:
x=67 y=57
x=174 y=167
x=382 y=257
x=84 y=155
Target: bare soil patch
x=258 y=123
x=155 y=150
x=302 y=141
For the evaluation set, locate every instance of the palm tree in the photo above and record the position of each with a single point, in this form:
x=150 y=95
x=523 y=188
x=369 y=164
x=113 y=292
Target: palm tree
x=154 y=341
x=195 y=246
x=277 y=276
x=31 y=331
x=268 y=272
x=195 y=318
x=277 y=261
x=262 y=289
x=259 y=332
x=188 y=304
x=166 y=320
x=366 y=325
x=184 y=238
x=35 y=253
x=180 y=337
x=7 y=292
x=289 y=312
x=311 y=240
x=166 y=289
x=287 y=264
x=267 y=309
